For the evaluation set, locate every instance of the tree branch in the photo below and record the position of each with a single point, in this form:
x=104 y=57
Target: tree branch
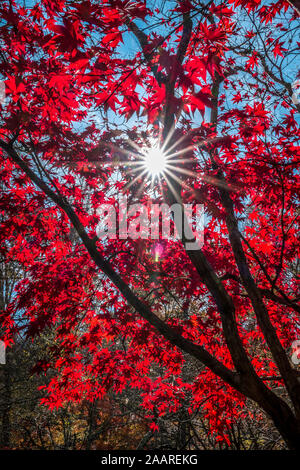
x=229 y=376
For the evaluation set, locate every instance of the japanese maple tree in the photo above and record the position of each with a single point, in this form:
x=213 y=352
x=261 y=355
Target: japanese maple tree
x=89 y=84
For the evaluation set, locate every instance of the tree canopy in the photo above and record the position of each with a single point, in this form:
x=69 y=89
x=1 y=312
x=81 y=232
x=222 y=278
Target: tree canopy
x=89 y=86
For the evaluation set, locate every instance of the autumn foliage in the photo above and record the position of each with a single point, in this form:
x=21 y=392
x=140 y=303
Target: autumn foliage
x=89 y=82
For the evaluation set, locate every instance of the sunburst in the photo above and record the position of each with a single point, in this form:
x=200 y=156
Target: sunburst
x=155 y=161
x=152 y=163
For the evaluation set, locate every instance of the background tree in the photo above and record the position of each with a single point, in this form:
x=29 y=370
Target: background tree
x=211 y=84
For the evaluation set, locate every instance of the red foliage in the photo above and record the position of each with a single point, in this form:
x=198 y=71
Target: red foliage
x=70 y=72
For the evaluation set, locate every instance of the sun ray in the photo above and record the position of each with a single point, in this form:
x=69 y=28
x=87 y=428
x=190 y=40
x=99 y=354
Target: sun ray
x=178 y=160
x=176 y=178
x=135 y=179
x=170 y=185
x=178 y=141
x=190 y=147
x=168 y=138
x=134 y=145
x=207 y=179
